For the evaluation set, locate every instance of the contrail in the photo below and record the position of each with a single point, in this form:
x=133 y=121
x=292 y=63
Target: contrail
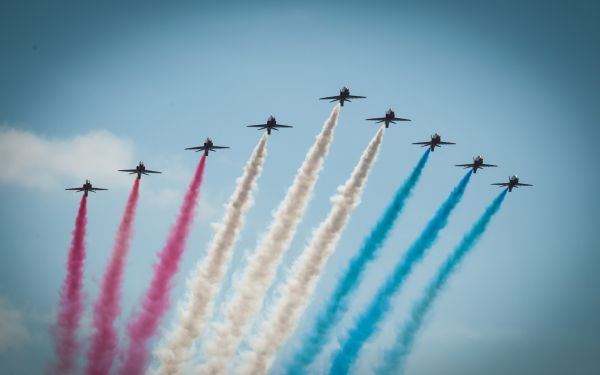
x=368 y=322
x=71 y=299
x=295 y=294
x=143 y=324
x=260 y=271
x=103 y=348
x=338 y=302
x=395 y=357
x=204 y=284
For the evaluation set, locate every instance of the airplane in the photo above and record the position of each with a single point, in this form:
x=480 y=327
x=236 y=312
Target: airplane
x=270 y=125
x=344 y=96
x=390 y=117
x=476 y=164
x=208 y=146
x=436 y=141
x=513 y=182
x=87 y=186
x=139 y=170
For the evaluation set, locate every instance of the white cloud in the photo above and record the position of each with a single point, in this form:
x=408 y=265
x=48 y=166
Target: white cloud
x=43 y=163
x=13 y=331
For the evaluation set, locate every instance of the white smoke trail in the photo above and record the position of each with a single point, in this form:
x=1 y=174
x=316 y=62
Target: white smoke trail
x=260 y=271
x=203 y=284
x=295 y=294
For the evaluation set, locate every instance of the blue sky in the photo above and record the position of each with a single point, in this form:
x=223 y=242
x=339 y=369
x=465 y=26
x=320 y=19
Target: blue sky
x=85 y=88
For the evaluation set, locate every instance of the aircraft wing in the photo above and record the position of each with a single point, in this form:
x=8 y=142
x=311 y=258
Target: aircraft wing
x=500 y=184
x=149 y=171
x=520 y=184
x=422 y=143
x=75 y=189
x=197 y=148
x=128 y=170
x=282 y=126
x=465 y=165
x=336 y=97
x=93 y=189
x=257 y=126
x=488 y=165
x=400 y=119
x=376 y=119
x=219 y=147
x=356 y=97
x=446 y=143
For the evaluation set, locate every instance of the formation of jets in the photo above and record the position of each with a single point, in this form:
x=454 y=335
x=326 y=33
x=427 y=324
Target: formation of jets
x=139 y=170
x=344 y=96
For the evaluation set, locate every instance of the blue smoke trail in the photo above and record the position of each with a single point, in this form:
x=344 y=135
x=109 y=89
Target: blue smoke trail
x=338 y=302
x=395 y=357
x=367 y=323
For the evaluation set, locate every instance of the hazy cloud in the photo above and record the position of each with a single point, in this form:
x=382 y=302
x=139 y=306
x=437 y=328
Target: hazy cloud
x=35 y=161
x=13 y=331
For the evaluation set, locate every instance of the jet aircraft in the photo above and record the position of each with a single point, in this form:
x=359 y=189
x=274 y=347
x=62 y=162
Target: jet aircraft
x=476 y=164
x=139 y=170
x=513 y=182
x=436 y=141
x=390 y=117
x=87 y=186
x=270 y=125
x=344 y=96
x=208 y=146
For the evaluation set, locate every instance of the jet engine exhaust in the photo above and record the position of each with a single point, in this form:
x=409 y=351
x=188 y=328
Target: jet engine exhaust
x=260 y=270
x=297 y=291
x=368 y=321
x=203 y=284
x=71 y=298
x=337 y=304
x=104 y=342
x=395 y=357
x=144 y=322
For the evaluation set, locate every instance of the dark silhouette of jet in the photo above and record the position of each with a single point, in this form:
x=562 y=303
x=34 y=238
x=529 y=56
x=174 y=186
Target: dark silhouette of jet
x=476 y=164
x=390 y=118
x=344 y=96
x=139 y=170
x=436 y=141
x=513 y=182
x=87 y=186
x=208 y=146
x=270 y=125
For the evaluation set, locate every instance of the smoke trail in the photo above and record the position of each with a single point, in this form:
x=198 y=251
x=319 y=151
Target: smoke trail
x=395 y=357
x=204 y=284
x=144 y=323
x=338 y=302
x=103 y=348
x=260 y=271
x=71 y=299
x=367 y=323
x=297 y=291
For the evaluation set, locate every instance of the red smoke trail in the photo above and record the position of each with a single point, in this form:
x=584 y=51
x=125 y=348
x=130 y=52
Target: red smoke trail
x=71 y=304
x=108 y=307
x=144 y=323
